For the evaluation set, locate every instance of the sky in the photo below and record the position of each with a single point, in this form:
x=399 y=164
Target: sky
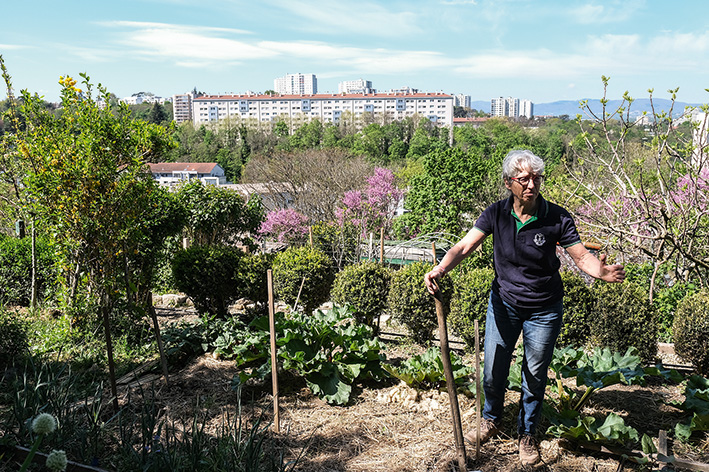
x=541 y=50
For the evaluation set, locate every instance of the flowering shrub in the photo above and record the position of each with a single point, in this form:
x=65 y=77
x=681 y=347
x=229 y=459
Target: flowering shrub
x=372 y=208
x=287 y=226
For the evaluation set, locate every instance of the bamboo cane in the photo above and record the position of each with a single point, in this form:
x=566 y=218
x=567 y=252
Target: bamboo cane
x=274 y=360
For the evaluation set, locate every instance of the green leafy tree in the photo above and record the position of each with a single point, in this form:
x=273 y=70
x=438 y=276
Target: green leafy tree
x=217 y=215
x=84 y=180
x=157 y=115
x=454 y=185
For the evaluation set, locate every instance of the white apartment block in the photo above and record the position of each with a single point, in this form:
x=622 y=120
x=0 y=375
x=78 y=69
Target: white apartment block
x=355 y=86
x=295 y=84
x=462 y=100
x=511 y=107
x=182 y=107
x=526 y=109
x=437 y=107
x=498 y=107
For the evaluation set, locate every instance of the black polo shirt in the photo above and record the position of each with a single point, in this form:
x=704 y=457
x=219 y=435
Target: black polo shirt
x=526 y=265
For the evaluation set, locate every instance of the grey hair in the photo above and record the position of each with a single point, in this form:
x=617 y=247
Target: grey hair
x=520 y=160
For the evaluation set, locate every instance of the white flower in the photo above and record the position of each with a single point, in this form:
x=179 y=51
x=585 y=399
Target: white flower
x=56 y=461
x=44 y=423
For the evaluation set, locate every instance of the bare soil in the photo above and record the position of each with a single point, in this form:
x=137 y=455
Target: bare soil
x=390 y=427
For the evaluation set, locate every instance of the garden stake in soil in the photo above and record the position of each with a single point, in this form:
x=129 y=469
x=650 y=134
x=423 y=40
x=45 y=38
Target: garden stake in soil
x=274 y=361
x=477 y=390
x=448 y=371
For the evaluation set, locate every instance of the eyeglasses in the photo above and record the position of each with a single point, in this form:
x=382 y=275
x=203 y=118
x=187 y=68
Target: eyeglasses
x=524 y=181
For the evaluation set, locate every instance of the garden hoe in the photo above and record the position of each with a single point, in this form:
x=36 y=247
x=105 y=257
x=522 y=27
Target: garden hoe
x=450 y=380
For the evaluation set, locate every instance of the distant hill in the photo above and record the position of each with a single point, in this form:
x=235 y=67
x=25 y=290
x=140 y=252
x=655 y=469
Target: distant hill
x=571 y=107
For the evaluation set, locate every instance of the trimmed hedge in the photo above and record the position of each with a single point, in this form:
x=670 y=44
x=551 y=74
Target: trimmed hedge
x=304 y=266
x=469 y=301
x=691 y=330
x=365 y=288
x=622 y=317
x=216 y=276
x=410 y=303
x=579 y=303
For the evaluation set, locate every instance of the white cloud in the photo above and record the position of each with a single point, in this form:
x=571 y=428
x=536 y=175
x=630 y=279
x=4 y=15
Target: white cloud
x=459 y=2
x=607 y=12
x=13 y=47
x=188 y=43
x=360 y=18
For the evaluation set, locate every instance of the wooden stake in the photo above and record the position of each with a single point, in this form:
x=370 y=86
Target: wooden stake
x=310 y=234
x=274 y=353
x=381 y=245
x=450 y=380
x=109 y=351
x=156 y=326
x=477 y=390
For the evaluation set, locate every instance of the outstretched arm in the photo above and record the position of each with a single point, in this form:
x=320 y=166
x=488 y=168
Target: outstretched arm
x=457 y=253
x=595 y=266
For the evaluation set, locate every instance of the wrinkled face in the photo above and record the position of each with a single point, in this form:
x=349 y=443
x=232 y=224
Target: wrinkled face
x=525 y=185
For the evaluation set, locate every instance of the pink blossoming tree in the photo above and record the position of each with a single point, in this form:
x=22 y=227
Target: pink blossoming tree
x=286 y=226
x=373 y=208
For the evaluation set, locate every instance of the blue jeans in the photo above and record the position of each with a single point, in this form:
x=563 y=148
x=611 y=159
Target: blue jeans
x=539 y=328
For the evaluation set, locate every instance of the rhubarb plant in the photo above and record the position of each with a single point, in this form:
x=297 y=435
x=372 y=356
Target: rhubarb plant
x=696 y=402
x=329 y=349
x=595 y=371
x=426 y=371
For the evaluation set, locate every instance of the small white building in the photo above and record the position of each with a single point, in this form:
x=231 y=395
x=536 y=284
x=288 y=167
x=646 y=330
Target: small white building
x=172 y=173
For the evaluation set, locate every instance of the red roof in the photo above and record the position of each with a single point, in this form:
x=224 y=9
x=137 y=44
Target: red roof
x=323 y=96
x=470 y=120
x=198 y=167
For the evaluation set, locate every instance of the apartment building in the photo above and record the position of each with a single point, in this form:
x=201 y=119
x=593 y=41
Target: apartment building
x=437 y=107
x=526 y=109
x=294 y=84
x=182 y=107
x=511 y=107
x=462 y=100
x=355 y=86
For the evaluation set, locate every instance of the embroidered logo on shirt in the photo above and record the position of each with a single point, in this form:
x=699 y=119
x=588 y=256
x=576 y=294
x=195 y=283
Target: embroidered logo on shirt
x=539 y=239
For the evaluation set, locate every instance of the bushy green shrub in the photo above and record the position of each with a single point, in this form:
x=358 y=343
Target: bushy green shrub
x=13 y=338
x=364 y=287
x=410 y=303
x=471 y=292
x=578 y=306
x=622 y=317
x=16 y=270
x=215 y=276
x=667 y=299
x=691 y=330
x=481 y=258
x=307 y=267
x=668 y=292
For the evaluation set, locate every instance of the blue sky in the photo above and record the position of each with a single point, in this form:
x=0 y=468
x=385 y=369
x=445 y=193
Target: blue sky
x=542 y=50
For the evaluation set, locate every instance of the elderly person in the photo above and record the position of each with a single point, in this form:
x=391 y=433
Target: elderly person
x=527 y=292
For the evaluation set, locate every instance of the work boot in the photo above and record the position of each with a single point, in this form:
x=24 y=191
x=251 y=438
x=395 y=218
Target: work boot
x=488 y=429
x=528 y=450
